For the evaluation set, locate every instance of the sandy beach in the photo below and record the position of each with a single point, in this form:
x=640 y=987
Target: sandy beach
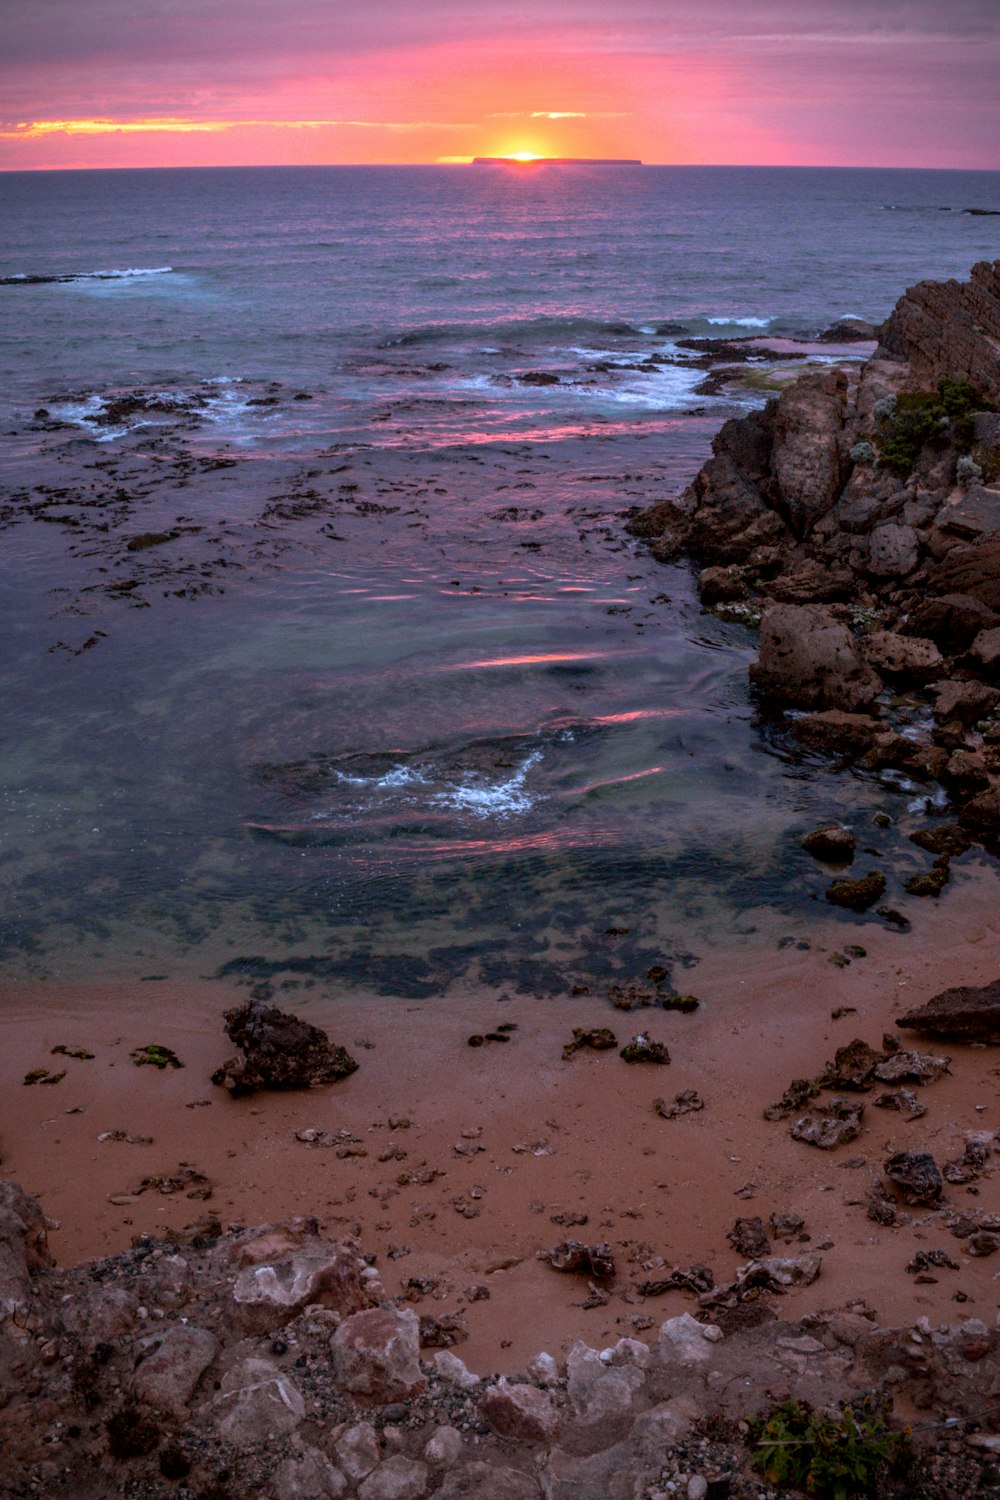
x=456 y=1165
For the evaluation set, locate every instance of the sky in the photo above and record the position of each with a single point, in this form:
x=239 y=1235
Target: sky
x=121 y=83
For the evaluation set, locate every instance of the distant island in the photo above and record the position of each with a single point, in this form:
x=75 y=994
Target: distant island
x=556 y=161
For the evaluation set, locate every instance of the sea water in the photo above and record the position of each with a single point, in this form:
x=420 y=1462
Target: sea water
x=324 y=648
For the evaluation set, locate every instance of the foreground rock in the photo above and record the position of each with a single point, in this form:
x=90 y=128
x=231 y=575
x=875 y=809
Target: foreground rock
x=279 y=1052
x=140 y=1376
x=970 y=1013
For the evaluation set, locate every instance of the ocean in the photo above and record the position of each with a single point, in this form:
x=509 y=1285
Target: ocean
x=325 y=652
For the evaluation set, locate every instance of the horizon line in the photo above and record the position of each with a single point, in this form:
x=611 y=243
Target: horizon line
x=500 y=161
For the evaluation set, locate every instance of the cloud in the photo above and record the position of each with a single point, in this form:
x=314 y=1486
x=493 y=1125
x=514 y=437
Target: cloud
x=34 y=129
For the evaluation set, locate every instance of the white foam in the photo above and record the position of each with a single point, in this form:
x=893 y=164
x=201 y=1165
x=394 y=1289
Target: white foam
x=740 y=322
x=491 y=799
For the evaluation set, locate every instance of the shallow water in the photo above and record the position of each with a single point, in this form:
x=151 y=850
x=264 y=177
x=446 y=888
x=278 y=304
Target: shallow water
x=371 y=687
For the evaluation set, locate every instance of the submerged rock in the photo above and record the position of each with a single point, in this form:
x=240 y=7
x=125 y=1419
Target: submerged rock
x=832 y=843
x=857 y=895
x=279 y=1052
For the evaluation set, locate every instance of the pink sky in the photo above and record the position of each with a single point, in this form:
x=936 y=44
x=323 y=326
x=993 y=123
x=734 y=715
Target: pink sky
x=216 y=82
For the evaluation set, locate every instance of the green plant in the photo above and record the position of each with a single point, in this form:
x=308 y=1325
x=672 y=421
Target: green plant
x=937 y=417
x=833 y=1458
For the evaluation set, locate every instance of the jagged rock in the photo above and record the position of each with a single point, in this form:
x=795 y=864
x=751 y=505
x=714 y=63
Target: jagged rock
x=853 y=1066
x=398 y=1478
x=906 y=659
x=748 y=1238
x=832 y=843
x=809 y=460
x=686 y=1342
x=171 y=1362
x=787 y=1225
x=601 y=1038
x=808 y=658
x=916 y=1172
x=684 y=1103
x=830 y=1125
x=278 y=1280
x=905 y=1100
x=279 y=1052
x=857 y=895
x=23 y=1248
x=836 y=733
x=258 y=1402
x=912 y=1067
x=522 y=1412
x=575 y=1256
x=975 y=1157
x=798 y=1093
x=952 y=619
x=779 y=1273
x=722 y=585
x=972 y=571
x=377 y=1354
x=971 y=1013
x=454 y=1371
x=985 y=650
x=642 y=1049
x=947 y=838
x=965 y=701
x=309 y=1476
x=949 y=330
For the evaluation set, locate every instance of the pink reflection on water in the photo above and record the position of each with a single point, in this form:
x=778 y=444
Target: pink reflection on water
x=524 y=661
x=596 y=786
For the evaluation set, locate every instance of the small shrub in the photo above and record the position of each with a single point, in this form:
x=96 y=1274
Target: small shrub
x=967 y=471
x=864 y=452
x=834 y=1458
x=884 y=408
x=921 y=417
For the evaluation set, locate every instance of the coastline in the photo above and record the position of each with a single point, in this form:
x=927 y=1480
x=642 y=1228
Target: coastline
x=652 y=1188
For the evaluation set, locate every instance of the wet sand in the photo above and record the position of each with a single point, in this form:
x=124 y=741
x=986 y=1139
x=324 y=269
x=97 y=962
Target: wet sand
x=505 y=1139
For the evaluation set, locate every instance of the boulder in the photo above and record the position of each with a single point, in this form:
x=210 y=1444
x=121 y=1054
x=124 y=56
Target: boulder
x=686 y=1342
x=969 y=1013
x=808 y=456
x=279 y=1052
x=722 y=585
x=981 y=815
x=973 y=571
x=953 y=620
x=399 y=1478
x=258 y=1402
x=906 y=659
x=522 y=1412
x=358 y=1451
x=893 y=551
x=171 y=1362
x=985 y=651
x=809 y=659
x=269 y=1293
x=832 y=843
x=377 y=1354
x=836 y=733
x=308 y=1476
x=966 y=701
x=949 y=330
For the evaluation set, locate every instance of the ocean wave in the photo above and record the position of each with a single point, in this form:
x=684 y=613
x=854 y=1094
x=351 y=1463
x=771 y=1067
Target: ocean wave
x=522 y=329
x=127 y=273
x=740 y=322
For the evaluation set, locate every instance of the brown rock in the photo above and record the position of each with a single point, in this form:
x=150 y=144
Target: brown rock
x=981 y=814
x=269 y=1293
x=808 y=457
x=748 y=1238
x=949 y=330
x=830 y=1125
x=965 y=701
x=985 y=650
x=907 y=659
x=893 y=551
x=722 y=585
x=953 y=620
x=808 y=659
x=857 y=895
x=481 y=1481
x=377 y=1354
x=946 y=838
x=358 y=1451
x=171 y=1362
x=836 y=733
x=522 y=1412
x=973 y=571
x=279 y=1052
x=916 y=1172
x=832 y=843
x=23 y=1248
x=969 y=1013
x=308 y=1476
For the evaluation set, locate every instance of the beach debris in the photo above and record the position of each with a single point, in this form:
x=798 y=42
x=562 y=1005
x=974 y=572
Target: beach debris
x=642 y=1049
x=917 y=1174
x=280 y=1051
x=969 y=1166
x=187 y=1180
x=771 y=1273
x=338 y=1140
x=80 y=1053
x=42 y=1075
x=852 y=1066
x=683 y=1003
x=912 y=1067
x=840 y=1011
x=685 y=1103
x=569 y=1220
x=588 y=1260
x=797 y=1094
x=832 y=843
x=857 y=895
x=125 y=1136
x=787 y=1225
x=880 y=1207
x=698 y=1279
x=442 y=1332
x=480 y=1038
x=971 y=1013
x=926 y=1260
x=905 y=1100
x=155 y=1056
x=830 y=1125
x=893 y=917
x=749 y=1238
x=600 y=1038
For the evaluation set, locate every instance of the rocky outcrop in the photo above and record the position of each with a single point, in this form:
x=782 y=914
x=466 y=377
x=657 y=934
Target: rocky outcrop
x=970 y=1013
x=279 y=1051
x=860 y=514
x=105 y=1395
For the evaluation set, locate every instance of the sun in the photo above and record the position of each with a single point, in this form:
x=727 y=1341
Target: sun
x=524 y=156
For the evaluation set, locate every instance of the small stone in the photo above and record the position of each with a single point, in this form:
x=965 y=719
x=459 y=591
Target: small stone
x=376 y=1354
x=522 y=1412
x=832 y=843
x=398 y=1478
